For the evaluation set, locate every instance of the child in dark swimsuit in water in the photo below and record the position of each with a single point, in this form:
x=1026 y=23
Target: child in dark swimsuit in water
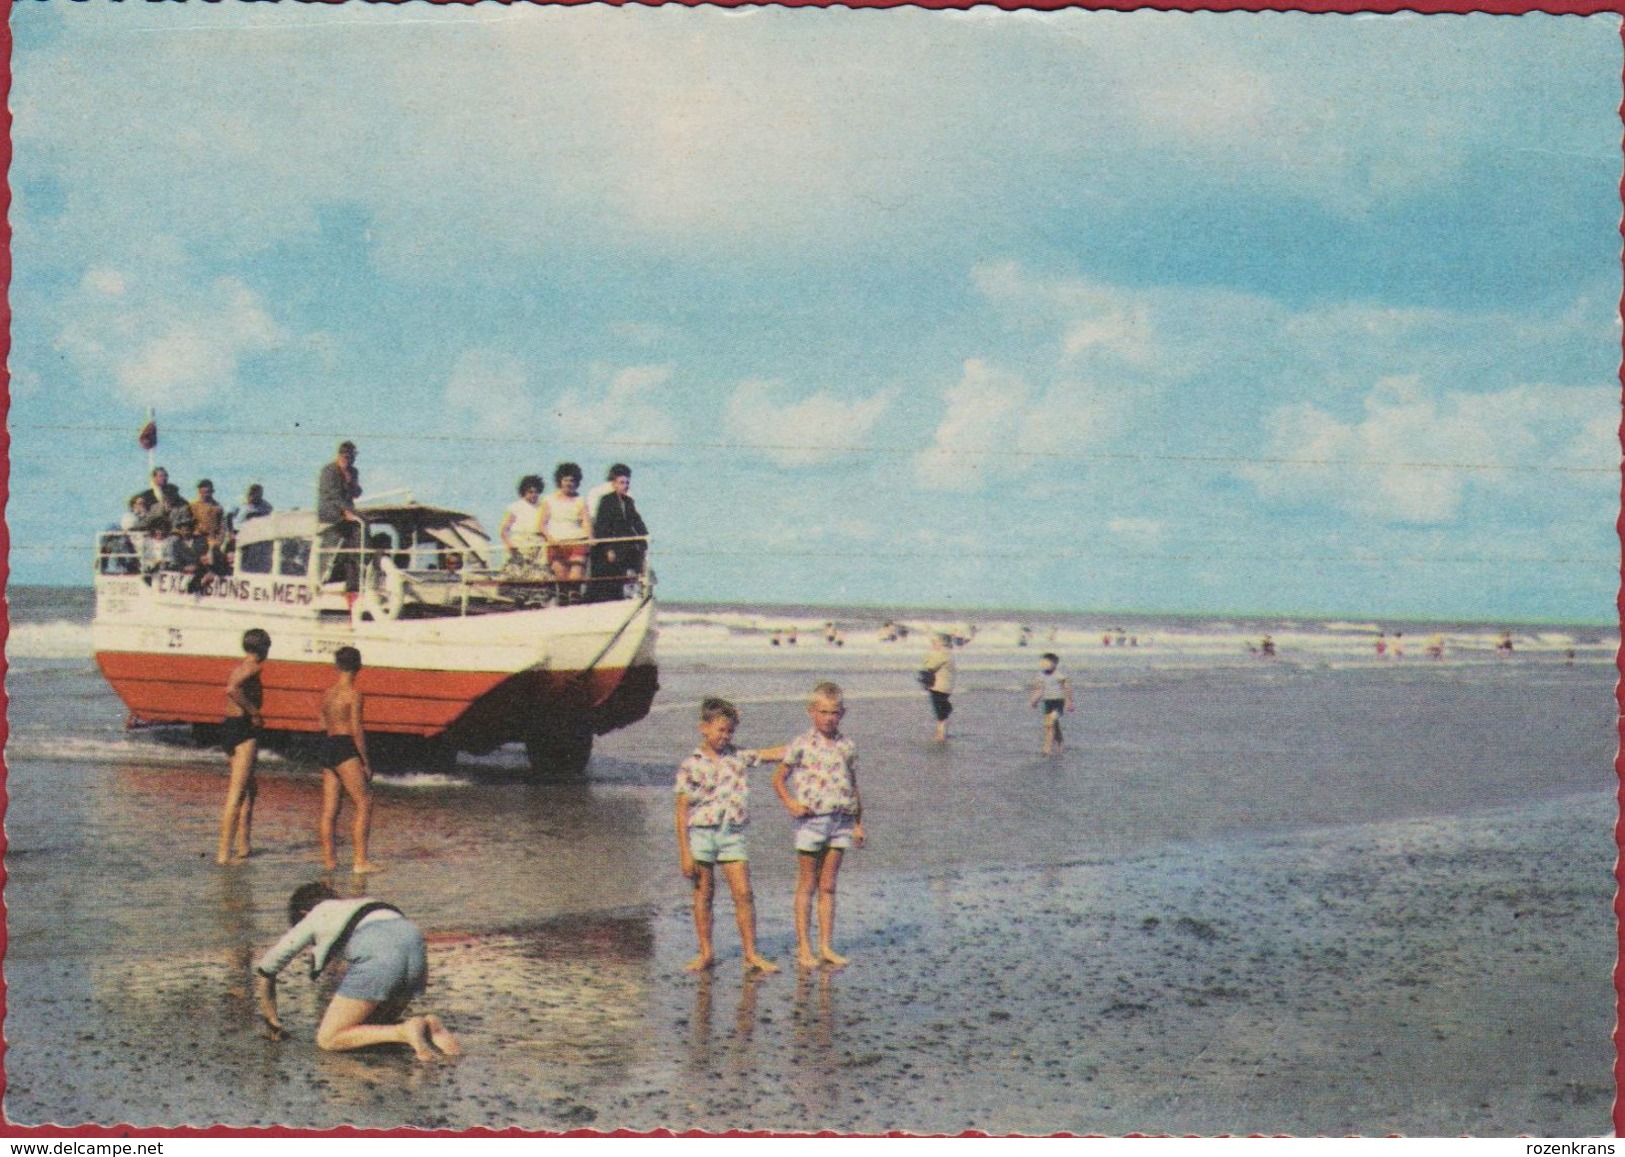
x=344 y=763
x=240 y=740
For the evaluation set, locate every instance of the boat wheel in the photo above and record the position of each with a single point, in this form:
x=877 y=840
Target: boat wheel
x=559 y=752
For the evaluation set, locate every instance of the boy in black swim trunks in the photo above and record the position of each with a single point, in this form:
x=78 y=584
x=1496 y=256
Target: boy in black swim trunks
x=240 y=740
x=344 y=763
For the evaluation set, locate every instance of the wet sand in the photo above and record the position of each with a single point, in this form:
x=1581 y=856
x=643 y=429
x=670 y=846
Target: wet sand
x=1425 y=977
x=1184 y=931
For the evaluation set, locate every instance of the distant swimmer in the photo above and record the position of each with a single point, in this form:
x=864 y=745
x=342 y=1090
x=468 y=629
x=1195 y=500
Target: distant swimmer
x=240 y=740
x=344 y=763
x=1435 y=647
x=1382 y=644
x=1399 y=645
x=1266 y=647
x=386 y=969
x=937 y=676
x=1504 y=647
x=818 y=785
x=1054 y=691
x=713 y=796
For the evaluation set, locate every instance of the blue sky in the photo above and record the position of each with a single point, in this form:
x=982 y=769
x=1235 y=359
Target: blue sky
x=1209 y=313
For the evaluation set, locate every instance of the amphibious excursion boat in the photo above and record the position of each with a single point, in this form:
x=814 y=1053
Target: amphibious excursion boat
x=462 y=654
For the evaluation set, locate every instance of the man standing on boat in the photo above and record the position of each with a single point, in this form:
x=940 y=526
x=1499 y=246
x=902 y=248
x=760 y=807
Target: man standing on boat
x=615 y=516
x=337 y=488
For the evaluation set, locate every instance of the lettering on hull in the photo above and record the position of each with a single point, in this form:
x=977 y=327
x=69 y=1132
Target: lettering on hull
x=233 y=589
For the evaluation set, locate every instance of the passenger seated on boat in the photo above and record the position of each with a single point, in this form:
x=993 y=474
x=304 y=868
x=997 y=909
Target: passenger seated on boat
x=194 y=555
x=119 y=554
x=254 y=506
x=142 y=515
x=158 y=551
x=384 y=589
x=208 y=516
x=566 y=527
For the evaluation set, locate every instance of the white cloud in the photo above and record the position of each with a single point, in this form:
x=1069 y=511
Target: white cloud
x=624 y=407
x=1414 y=455
x=986 y=409
x=708 y=133
x=162 y=339
x=996 y=426
x=1098 y=325
x=801 y=432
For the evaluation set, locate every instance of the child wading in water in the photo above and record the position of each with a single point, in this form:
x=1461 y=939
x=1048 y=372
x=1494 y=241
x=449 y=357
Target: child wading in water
x=1054 y=691
x=240 y=740
x=712 y=801
x=344 y=763
x=818 y=782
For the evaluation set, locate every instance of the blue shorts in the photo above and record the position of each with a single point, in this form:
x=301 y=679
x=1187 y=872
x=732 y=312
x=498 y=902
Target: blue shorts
x=815 y=833
x=387 y=962
x=716 y=843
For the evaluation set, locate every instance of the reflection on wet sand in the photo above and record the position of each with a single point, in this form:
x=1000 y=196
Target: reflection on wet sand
x=812 y=1044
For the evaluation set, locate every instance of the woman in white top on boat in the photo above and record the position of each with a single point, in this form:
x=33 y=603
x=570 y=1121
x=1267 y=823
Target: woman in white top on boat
x=566 y=527
x=521 y=525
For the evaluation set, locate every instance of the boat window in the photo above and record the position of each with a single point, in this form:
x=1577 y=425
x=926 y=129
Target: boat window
x=255 y=557
x=294 y=558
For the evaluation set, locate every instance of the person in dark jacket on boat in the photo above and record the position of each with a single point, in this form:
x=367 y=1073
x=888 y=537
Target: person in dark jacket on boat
x=164 y=498
x=616 y=516
x=385 y=969
x=337 y=488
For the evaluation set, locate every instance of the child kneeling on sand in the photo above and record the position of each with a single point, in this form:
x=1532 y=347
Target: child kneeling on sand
x=818 y=782
x=386 y=969
x=712 y=800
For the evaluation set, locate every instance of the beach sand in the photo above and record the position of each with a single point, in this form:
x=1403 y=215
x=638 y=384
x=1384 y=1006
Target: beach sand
x=1302 y=898
x=1429 y=977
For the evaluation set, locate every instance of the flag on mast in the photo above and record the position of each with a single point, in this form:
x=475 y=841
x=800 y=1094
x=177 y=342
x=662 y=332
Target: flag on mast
x=148 y=438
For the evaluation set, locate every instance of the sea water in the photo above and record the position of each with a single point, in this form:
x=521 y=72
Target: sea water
x=560 y=904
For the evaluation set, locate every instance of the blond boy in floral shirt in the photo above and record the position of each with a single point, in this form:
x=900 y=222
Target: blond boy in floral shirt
x=818 y=782
x=712 y=801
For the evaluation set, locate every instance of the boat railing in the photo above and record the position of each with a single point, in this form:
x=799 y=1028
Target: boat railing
x=520 y=578
x=118 y=552
x=451 y=585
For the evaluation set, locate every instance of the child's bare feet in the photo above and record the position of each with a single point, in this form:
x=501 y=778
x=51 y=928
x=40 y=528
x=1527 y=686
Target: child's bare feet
x=417 y=1035
x=700 y=963
x=366 y=868
x=223 y=858
x=443 y=1040
x=330 y=864
x=833 y=958
x=807 y=960
x=760 y=964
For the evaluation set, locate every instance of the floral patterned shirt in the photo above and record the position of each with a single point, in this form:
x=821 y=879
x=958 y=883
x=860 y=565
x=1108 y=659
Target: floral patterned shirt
x=823 y=773
x=716 y=787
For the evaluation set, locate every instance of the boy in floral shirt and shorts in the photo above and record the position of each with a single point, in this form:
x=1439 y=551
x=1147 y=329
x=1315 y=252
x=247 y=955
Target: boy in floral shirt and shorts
x=818 y=782
x=712 y=797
